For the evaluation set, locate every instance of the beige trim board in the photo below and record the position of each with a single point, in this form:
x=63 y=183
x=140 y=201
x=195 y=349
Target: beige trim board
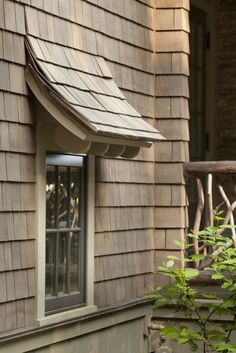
x=66 y=315
x=42 y=148
x=49 y=336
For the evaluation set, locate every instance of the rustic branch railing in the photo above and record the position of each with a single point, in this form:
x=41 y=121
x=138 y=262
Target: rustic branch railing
x=216 y=190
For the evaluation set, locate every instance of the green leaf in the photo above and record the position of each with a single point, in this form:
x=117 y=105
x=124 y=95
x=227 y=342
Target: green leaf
x=179 y=244
x=170 y=263
x=171 y=331
x=226 y=284
x=172 y=257
x=228 y=347
x=197 y=257
x=190 y=273
x=217 y=275
x=183 y=340
x=227 y=226
x=212 y=229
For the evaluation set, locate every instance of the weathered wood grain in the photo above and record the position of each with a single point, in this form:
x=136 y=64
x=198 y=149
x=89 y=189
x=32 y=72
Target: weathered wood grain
x=204 y=168
x=113 y=219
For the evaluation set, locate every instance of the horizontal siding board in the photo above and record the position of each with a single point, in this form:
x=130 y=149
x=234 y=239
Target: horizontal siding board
x=143 y=104
x=21 y=284
x=13 y=48
x=169 y=173
x=31 y=282
x=16 y=138
x=94 y=43
x=178 y=130
x=20 y=313
x=124 y=195
x=3 y=288
x=164 y=151
x=163 y=195
x=16 y=255
x=113 y=171
x=10 y=316
x=181 y=151
x=129 y=288
x=17 y=226
x=17 y=285
x=172 y=41
x=106 y=27
x=172 y=19
x=10 y=286
x=10 y=15
x=30 y=306
x=182 y=20
x=171 y=4
x=9 y=72
x=168 y=151
x=15 y=108
x=166 y=195
x=89 y=13
x=114 y=219
x=172 y=235
x=2 y=19
x=160 y=239
x=27 y=251
x=123 y=242
x=165 y=19
x=133 y=80
x=16 y=314
x=170 y=217
x=17 y=197
x=172 y=63
x=115 y=266
x=172 y=85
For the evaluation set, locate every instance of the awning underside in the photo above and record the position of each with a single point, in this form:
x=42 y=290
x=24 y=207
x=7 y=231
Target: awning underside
x=82 y=86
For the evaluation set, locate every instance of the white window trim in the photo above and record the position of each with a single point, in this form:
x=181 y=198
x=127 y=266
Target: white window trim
x=41 y=318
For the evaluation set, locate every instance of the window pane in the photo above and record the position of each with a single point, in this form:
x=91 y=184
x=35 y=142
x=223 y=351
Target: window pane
x=50 y=263
x=75 y=197
x=51 y=197
x=63 y=197
x=64 y=241
x=74 y=275
x=62 y=262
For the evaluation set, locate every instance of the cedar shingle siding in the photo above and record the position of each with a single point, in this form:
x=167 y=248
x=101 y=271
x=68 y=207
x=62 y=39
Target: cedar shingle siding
x=140 y=203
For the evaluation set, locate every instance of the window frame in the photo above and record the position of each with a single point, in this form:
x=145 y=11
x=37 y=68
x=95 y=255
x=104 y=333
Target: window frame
x=63 y=302
x=43 y=146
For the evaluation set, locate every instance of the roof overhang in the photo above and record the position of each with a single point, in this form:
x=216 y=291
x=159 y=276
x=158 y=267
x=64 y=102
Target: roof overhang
x=78 y=91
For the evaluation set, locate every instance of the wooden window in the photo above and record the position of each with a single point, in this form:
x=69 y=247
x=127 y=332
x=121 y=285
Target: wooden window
x=65 y=232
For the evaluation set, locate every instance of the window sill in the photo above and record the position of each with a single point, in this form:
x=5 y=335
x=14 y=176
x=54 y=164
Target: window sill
x=66 y=315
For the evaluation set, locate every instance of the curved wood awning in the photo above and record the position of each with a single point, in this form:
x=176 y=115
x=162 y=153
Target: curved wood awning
x=79 y=92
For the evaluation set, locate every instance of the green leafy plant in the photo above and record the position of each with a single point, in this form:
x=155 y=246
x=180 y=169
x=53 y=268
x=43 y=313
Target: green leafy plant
x=209 y=333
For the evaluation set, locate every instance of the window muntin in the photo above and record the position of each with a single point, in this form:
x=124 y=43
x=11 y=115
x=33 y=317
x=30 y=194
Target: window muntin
x=65 y=232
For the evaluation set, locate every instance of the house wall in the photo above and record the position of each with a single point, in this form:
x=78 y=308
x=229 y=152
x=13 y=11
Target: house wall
x=172 y=114
x=140 y=204
x=17 y=176
x=121 y=331
x=225 y=122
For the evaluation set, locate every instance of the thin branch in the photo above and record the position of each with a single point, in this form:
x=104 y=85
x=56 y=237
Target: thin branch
x=209 y=198
x=231 y=216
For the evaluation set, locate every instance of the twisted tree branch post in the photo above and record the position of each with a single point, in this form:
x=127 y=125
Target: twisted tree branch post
x=198 y=215
x=230 y=211
x=209 y=199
